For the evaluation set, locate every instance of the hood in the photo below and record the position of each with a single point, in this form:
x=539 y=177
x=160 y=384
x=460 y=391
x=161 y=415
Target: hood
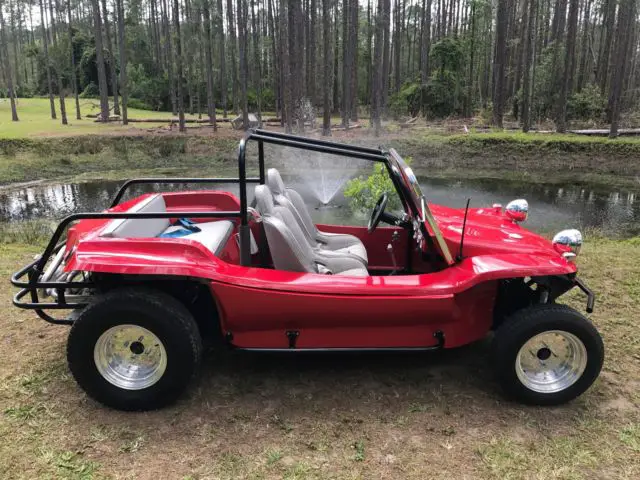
x=488 y=231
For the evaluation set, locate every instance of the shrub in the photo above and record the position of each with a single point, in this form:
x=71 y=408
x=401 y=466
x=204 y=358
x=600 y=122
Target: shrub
x=440 y=95
x=139 y=104
x=364 y=192
x=90 y=91
x=587 y=104
x=407 y=100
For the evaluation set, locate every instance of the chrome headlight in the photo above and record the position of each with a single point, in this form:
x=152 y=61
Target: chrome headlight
x=517 y=210
x=568 y=243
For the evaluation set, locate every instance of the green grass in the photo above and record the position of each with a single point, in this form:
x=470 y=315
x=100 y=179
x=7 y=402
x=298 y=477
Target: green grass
x=409 y=417
x=35 y=119
x=91 y=156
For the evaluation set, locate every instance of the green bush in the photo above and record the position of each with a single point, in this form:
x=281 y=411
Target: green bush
x=441 y=95
x=586 y=105
x=407 y=101
x=90 y=91
x=139 y=104
x=363 y=192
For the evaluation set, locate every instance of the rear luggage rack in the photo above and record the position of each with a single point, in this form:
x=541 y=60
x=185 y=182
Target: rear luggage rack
x=36 y=269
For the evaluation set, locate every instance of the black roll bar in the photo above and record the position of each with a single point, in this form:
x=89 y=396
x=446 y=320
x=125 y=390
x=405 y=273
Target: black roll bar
x=378 y=156
x=137 y=181
x=35 y=269
x=304 y=143
x=313 y=141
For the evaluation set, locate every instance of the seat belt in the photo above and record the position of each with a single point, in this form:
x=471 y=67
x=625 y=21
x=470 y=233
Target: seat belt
x=189 y=225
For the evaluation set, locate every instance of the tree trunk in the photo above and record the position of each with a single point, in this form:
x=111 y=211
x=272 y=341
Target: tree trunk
x=52 y=23
x=63 y=108
x=386 y=20
x=286 y=70
x=276 y=45
x=179 y=79
x=256 y=59
x=169 y=57
x=74 y=79
x=223 y=59
x=469 y=99
x=326 y=74
x=123 y=61
x=242 y=43
x=426 y=43
x=397 y=42
x=311 y=89
x=4 y=52
x=211 y=104
x=232 y=54
x=47 y=63
x=336 y=57
x=353 y=41
x=499 y=62
x=378 y=61
x=583 y=76
x=568 y=58
x=112 y=56
x=102 y=76
x=346 y=65
x=605 y=50
x=626 y=18
x=294 y=62
x=528 y=60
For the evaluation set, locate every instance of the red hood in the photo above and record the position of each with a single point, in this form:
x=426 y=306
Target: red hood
x=488 y=231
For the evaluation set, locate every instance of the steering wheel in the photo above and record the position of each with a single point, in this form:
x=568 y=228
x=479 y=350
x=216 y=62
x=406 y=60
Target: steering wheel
x=377 y=212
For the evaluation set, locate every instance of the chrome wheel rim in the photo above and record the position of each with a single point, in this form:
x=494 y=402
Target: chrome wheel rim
x=130 y=357
x=551 y=361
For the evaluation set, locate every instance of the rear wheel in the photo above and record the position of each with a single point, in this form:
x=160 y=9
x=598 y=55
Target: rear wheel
x=547 y=354
x=134 y=349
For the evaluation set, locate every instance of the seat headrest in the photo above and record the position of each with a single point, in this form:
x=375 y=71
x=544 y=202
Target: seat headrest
x=274 y=180
x=264 y=200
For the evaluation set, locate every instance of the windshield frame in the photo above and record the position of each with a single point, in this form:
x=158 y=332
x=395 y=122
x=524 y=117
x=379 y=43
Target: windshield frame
x=413 y=197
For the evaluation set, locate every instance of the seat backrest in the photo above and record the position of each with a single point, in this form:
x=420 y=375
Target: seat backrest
x=289 y=198
x=140 y=227
x=288 y=245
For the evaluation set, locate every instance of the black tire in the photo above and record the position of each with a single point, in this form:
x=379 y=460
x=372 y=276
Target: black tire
x=153 y=310
x=524 y=325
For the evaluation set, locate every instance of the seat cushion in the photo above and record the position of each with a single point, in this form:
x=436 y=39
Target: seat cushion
x=354 y=272
x=139 y=227
x=213 y=235
x=343 y=243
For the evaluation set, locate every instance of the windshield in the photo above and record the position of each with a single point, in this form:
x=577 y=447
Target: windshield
x=419 y=203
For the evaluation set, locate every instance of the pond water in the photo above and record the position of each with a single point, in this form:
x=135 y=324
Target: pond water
x=551 y=207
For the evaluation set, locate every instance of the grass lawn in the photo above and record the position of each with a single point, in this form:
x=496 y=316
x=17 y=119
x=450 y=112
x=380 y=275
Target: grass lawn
x=343 y=417
x=35 y=119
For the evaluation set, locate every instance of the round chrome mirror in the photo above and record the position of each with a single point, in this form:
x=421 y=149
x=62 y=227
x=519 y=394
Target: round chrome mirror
x=518 y=210
x=568 y=241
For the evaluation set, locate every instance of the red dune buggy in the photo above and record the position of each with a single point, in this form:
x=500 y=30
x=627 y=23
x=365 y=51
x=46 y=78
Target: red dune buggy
x=148 y=279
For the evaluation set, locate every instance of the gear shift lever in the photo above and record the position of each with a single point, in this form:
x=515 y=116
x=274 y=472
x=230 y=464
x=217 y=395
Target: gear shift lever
x=394 y=238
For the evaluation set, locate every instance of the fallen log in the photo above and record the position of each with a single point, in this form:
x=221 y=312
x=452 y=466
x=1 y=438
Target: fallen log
x=603 y=132
x=175 y=120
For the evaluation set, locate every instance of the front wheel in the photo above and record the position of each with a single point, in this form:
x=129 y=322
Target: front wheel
x=547 y=354
x=134 y=349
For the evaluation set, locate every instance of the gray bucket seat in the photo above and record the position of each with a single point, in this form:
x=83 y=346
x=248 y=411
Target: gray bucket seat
x=289 y=247
x=336 y=242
